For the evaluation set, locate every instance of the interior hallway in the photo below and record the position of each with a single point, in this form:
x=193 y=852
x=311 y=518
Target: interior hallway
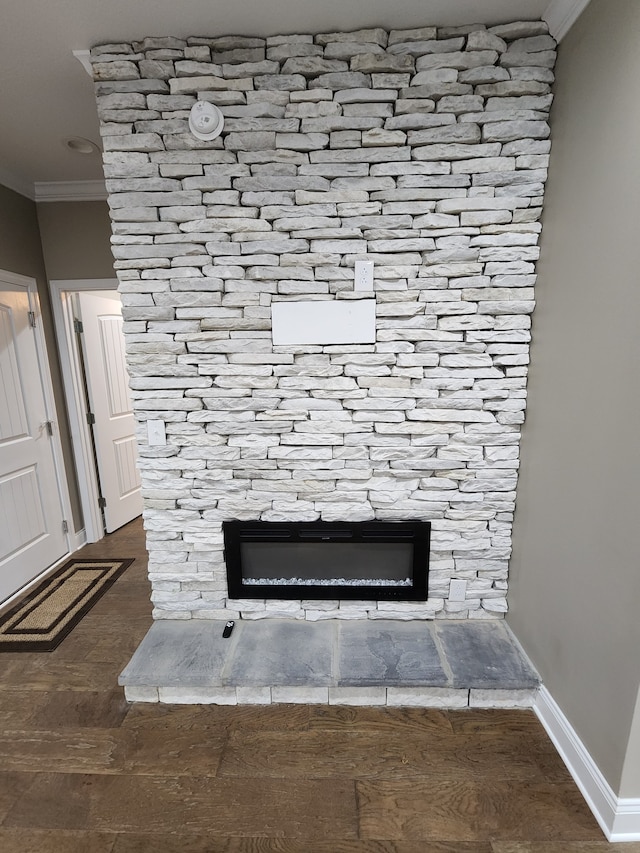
x=83 y=771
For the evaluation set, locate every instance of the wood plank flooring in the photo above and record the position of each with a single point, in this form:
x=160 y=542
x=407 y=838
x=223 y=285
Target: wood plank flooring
x=83 y=771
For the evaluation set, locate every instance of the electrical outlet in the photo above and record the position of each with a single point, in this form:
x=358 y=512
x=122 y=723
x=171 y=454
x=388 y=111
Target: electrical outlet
x=457 y=590
x=363 y=275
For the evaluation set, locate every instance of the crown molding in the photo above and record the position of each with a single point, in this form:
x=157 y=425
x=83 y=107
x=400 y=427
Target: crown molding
x=84 y=58
x=70 y=191
x=17 y=184
x=561 y=15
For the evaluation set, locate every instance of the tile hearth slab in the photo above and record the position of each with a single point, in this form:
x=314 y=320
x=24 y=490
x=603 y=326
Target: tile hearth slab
x=451 y=664
x=402 y=654
x=483 y=655
x=281 y=652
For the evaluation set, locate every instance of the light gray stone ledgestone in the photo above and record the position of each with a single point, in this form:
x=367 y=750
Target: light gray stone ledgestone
x=427 y=697
x=389 y=80
x=378 y=110
x=208 y=83
x=284 y=51
x=302 y=141
x=418 y=120
x=544 y=59
x=238 y=55
x=122 y=69
x=486 y=698
x=533 y=44
x=360 y=696
x=512 y=89
x=448 y=133
x=280 y=82
x=485 y=40
x=346 y=50
x=456 y=151
x=460 y=60
x=189 y=68
x=312 y=110
x=374 y=35
x=422 y=87
x=340 y=80
x=313 y=66
x=427 y=46
x=520 y=29
x=362 y=95
x=415 y=34
x=506 y=131
x=249 y=69
x=535 y=72
x=375 y=63
x=483 y=75
x=133 y=142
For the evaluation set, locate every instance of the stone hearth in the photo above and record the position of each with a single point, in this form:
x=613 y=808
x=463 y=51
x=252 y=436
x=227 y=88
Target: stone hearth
x=442 y=664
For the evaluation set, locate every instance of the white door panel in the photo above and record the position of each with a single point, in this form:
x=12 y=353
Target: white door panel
x=107 y=381
x=31 y=514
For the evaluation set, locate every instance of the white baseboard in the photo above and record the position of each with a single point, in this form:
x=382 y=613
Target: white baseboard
x=78 y=540
x=619 y=818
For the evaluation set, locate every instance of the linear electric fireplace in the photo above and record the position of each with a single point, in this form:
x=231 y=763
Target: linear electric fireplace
x=324 y=560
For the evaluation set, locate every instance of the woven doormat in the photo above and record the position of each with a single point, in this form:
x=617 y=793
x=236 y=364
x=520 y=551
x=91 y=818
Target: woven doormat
x=39 y=622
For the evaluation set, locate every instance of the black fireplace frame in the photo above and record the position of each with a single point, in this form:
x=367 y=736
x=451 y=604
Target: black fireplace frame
x=418 y=533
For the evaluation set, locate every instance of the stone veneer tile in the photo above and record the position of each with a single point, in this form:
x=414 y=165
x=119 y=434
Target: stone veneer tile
x=427 y=697
x=479 y=698
x=209 y=235
x=139 y=693
x=198 y=695
x=357 y=696
x=300 y=695
x=253 y=695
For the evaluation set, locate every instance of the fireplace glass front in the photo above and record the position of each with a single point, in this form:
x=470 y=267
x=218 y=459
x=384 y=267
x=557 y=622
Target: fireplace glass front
x=369 y=560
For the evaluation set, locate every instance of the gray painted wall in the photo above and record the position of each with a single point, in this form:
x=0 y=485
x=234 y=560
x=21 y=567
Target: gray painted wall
x=21 y=252
x=76 y=239
x=575 y=583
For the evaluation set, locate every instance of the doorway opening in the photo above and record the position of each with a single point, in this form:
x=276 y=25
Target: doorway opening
x=88 y=320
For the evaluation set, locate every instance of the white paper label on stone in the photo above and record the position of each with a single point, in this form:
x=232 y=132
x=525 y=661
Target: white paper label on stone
x=333 y=322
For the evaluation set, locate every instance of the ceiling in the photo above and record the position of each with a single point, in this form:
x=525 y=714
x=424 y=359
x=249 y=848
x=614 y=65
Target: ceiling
x=47 y=96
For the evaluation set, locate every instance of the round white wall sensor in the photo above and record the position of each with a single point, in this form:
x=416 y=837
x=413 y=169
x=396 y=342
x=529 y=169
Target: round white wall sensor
x=205 y=120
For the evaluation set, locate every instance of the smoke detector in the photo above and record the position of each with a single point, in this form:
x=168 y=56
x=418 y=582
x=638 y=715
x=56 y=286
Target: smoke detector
x=205 y=120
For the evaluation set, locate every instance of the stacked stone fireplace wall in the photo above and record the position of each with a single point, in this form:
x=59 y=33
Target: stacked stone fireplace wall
x=422 y=150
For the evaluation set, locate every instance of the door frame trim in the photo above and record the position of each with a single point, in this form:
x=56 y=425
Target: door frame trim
x=31 y=287
x=62 y=291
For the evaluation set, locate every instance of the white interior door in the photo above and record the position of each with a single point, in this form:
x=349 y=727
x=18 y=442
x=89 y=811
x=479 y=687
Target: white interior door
x=31 y=511
x=108 y=390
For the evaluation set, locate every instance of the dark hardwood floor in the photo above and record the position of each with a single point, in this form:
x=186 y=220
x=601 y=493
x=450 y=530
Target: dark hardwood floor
x=83 y=771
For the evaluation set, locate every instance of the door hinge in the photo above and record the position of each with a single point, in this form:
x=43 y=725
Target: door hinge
x=78 y=328
x=102 y=502
x=49 y=427
x=91 y=418
x=32 y=319
x=65 y=526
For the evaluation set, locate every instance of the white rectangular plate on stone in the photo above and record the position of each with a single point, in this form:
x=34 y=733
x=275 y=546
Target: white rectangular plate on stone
x=330 y=322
